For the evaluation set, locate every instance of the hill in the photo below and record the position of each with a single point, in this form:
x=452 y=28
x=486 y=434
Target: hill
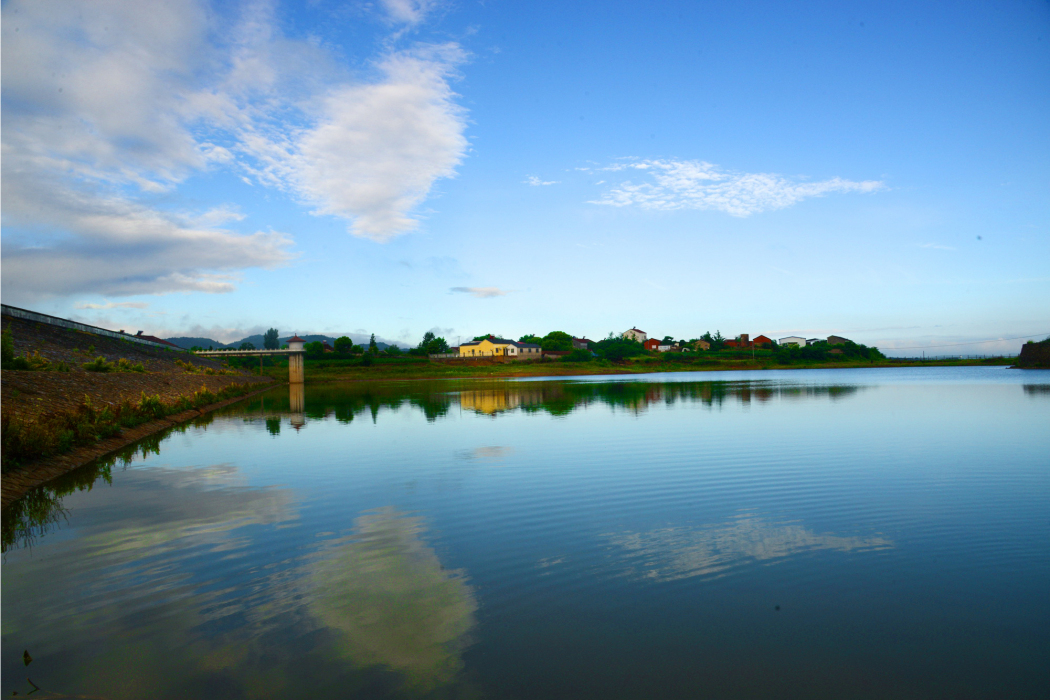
x=257 y=341
x=187 y=343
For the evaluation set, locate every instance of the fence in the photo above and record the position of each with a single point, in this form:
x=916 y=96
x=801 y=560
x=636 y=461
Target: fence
x=15 y=312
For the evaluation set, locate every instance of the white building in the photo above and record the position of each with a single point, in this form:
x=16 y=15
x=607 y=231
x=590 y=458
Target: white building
x=793 y=340
x=634 y=334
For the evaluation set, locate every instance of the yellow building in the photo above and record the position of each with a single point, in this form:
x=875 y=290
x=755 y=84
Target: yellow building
x=500 y=347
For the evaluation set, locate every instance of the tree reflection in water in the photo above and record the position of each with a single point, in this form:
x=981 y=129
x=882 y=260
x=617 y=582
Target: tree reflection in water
x=345 y=402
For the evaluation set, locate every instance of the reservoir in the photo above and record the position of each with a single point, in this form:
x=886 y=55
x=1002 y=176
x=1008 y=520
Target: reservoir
x=856 y=533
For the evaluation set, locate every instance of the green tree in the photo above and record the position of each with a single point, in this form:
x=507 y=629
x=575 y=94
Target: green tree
x=270 y=341
x=393 y=350
x=617 y=349
x=556 y=340
x=246 y=346
x=717 y=341
x=372 y=347
x=428 y=338
x=437 y=346
x=483 y=337
x=535 y=339
x=314 y=349
x=343 y=345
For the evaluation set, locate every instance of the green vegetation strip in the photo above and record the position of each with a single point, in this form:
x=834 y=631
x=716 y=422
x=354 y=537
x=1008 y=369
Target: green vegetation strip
x=26 y=439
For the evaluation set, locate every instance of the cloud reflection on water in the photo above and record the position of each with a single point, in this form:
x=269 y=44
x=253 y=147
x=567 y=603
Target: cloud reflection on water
x=673 y=553
x=171 y=587
x=393 y=602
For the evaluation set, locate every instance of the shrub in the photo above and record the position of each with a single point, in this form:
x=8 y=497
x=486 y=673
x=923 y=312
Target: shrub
x=578 y=355
x=33 y=363
x=125 y=365
x=7 y=349
x=152 y=406
x=99 y=364
x=188 y=367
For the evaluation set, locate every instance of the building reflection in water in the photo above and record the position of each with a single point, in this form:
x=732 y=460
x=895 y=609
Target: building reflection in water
x=297 y=404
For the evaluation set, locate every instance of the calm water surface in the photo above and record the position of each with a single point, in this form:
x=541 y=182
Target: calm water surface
x=797 y=534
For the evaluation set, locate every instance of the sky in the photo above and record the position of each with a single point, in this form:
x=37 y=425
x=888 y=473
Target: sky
x=876 y=170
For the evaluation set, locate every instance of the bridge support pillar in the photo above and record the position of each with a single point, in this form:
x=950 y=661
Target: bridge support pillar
x=296 y=372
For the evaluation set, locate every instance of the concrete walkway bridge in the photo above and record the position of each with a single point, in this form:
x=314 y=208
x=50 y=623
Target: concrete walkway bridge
x=294 y=353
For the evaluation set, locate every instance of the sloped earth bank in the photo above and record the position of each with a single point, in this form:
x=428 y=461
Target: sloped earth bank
x=17 y=483
x=30 y=395
x=74 y=347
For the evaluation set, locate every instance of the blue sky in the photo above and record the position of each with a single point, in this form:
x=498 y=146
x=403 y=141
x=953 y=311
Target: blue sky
x=874 y=170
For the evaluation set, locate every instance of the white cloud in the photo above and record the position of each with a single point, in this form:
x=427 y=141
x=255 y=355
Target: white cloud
x=108 y=103
x=114 y=305
x=379 y=147
x=672 y=184
x=407 y=11
x=536 y=182
x=115 y=246
x=479 y=292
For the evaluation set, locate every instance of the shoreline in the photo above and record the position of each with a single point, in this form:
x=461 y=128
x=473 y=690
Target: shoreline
x=18 y=482
x=382 y=373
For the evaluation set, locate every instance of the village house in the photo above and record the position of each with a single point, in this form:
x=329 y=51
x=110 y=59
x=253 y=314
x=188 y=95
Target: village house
x=741 y=341
x=837 y=340
x=795 y=340
x=814 y=341
x=580 y=343
x=500 y=347
x=634 y=334
x=763 y=340
x=652 y=344
x=701 y=345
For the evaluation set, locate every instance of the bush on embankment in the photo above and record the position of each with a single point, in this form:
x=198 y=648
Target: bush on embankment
x=25 y=439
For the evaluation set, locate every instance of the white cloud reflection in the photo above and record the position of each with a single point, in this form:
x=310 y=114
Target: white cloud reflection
x=675 y=553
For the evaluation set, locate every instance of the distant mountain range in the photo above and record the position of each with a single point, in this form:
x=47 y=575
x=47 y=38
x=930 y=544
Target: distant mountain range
x=257 y=341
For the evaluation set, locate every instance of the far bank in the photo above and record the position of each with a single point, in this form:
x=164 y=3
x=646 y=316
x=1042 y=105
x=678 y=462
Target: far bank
x=327 y=369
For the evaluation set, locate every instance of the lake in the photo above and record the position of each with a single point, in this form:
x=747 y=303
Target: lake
x=878 y=533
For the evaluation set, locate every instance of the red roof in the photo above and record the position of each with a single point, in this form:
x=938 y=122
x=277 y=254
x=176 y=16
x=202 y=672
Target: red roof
x=296 y=339
x=155 y=339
